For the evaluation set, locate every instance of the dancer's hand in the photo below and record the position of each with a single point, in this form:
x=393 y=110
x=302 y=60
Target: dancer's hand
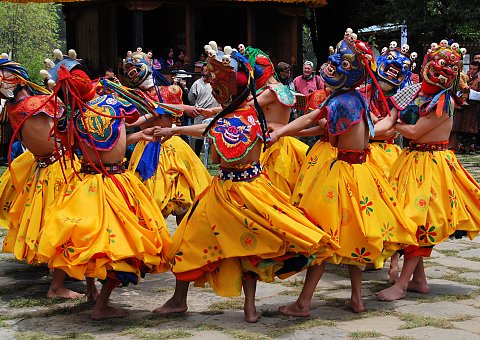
x=164 y=133
x=191 y=111
x=274 y=126
x=148 y=134
x=274 y=137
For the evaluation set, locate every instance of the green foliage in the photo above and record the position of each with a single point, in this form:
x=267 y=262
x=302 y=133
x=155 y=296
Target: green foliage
x=29 y=32
x=427 y=20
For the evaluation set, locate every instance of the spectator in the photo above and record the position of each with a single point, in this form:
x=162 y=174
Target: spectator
x=476 y=57
x=110 y=75
x=200 y=95
x=308 y=81
x=284 y=74
x=465 y=121
x=166 y=62
x=180 y=59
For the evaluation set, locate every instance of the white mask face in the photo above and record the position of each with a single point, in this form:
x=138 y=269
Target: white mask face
x=147 y=83
x=8 y=83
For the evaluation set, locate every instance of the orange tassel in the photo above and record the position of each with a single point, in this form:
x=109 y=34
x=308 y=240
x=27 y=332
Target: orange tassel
x=440 y=105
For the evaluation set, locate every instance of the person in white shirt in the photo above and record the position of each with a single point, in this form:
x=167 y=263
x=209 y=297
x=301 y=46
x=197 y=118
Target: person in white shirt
x=200 y=95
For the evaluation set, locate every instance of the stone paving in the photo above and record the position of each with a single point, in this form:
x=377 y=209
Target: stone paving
x=450 y=311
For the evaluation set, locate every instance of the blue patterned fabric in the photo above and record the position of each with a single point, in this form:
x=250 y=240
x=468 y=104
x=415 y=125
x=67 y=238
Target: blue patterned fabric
x=103 y=131
x=149 y=161
x=344 y=110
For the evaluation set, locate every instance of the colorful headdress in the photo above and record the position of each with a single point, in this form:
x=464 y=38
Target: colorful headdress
x=68 y=65
x=13 y=77
x=441 y=65
x=348 y=64
x=395 y=65
x=139 y=71
x=231 y=88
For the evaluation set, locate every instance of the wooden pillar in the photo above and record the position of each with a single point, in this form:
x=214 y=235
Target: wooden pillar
x=250 y=27
x=137 y=28
x=190 y=33
x=294 y=43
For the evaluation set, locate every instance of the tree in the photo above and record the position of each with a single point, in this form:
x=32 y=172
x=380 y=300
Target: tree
x=427 y=20
x=29 y=33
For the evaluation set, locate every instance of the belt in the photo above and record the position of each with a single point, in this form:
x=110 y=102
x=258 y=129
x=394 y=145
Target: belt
x=353 y=156
x=240 y=175
x=111 y=169
x=435 y=146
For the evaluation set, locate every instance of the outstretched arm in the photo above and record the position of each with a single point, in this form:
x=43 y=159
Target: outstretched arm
x=294 y=127
x=424 y=125
x=191 y=130
x=146 y=134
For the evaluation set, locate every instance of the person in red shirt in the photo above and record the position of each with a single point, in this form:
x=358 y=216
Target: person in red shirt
x=308 y=81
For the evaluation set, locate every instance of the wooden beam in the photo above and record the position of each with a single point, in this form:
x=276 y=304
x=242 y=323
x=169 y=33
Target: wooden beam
x=190 y=33
x=137 y=28
x=250 y=27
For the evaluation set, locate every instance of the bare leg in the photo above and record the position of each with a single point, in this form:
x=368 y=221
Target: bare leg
x=399 y=289
x=419 y=281
x=92 y=291
x=393 y=271
x=355 y=303
x=301 y=307
x=102 y=310
x=57 y=289
x=178 y=302
x=249 y=288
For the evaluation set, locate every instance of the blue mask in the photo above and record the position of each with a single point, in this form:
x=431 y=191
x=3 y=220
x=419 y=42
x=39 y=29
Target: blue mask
x=343 y=69
x=394 y=67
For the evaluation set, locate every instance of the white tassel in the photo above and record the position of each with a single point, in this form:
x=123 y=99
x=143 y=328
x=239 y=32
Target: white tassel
x=49 y=64
x=45 y=74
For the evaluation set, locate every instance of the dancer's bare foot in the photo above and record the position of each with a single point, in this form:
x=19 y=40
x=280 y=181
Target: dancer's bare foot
x=295 y=309
x=63 y=292
x=391 y=294
x=418 y=287
x=251 y=314
x=355 y=306
x=171 y=306
x=393 y=275
x=108 y=312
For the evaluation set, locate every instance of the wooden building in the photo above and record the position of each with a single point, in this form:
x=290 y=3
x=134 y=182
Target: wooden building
x=102 y=31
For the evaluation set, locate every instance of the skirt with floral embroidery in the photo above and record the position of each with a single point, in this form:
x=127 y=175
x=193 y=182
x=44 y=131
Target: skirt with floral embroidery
x=321 y=152
x=180 y=175
x=245 y=226
x=384 y=155
x=102 y=224
x=354 y=204
x=36 y=189
x=437 y=193
x=8 y=191
x=282 y=162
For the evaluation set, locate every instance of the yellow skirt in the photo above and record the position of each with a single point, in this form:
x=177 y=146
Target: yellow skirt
x=282 y=162
x=321 y=152
x=437 y=193
x=92 y=229
x=10 y=185
x=179 y=178
x=238 y=227
x=38 y=188
x=355 y=205
x=384 y=155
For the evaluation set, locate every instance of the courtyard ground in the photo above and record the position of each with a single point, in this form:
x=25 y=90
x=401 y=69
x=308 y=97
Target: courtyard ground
x=450 y=311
